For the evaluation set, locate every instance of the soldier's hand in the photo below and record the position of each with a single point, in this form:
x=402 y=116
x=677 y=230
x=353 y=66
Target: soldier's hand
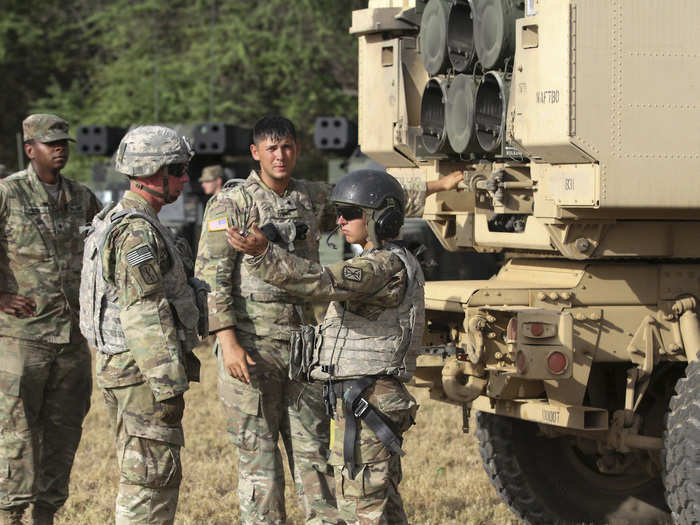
x=448 y=182
x=237 y=361
x=16 y=305
x=250 y=242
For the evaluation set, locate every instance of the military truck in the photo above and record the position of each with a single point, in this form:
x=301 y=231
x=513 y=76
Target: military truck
x=576 y=125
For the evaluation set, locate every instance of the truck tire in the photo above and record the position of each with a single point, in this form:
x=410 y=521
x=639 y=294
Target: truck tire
x=682 y=448
x=549 y=480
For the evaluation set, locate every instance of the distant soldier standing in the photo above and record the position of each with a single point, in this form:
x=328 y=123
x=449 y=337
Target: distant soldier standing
x=212 y=179
x=139 y=310
x=366 y=346
x=45 y=379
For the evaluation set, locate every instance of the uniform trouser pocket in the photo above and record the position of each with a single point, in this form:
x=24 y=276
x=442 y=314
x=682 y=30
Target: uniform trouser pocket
x=16 y=443
x=244 y=422
x=372 y=479
x=150 y=463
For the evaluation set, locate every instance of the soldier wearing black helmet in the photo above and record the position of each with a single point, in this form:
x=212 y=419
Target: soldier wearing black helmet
x=366 y=346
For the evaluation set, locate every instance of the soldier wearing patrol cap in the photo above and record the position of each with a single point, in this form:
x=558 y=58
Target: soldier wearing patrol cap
x=212 y=179
x=45 y=379
x=139 y=310
x=367 y=344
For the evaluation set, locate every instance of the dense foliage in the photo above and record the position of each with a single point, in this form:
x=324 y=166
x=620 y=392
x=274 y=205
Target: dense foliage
x=121 y=62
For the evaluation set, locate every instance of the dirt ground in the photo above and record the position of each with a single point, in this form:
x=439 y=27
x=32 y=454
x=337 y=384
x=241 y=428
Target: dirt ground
x=443 y=484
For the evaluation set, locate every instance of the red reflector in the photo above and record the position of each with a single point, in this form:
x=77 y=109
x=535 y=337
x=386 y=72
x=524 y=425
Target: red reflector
x=537 y=329
x=521 y=363
x=512 y=330
x=556 y=362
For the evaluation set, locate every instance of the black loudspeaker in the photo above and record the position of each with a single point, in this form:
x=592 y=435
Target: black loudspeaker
x=98 y=140
x=335 y=133
x=217 y=138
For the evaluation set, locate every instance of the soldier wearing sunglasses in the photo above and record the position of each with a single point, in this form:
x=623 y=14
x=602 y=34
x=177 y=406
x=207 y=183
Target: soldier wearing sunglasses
x=366 y=345
x=139 y=310
x=253 y=322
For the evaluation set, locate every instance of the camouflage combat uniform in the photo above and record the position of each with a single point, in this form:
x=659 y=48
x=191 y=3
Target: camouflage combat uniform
x=263 y=316
x=45 y=379
x=143 y=385
x=363 y=290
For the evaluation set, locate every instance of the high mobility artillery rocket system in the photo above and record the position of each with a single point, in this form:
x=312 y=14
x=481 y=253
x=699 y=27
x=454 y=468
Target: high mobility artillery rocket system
x=576 y=124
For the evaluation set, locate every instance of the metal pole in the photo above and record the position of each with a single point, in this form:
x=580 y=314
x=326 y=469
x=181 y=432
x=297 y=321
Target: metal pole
x=20 y=152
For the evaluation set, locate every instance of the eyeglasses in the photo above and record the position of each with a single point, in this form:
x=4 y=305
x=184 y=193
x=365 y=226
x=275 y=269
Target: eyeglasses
x=349 y=213
x=177 y=170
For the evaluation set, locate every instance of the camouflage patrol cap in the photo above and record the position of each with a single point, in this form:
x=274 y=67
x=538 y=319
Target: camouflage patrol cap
x=211 y=173
x=44 y=127
x=146 y=149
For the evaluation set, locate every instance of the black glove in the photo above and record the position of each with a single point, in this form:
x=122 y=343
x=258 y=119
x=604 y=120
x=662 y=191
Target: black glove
x=172 y=410
x=270 y=231
x=273 y=234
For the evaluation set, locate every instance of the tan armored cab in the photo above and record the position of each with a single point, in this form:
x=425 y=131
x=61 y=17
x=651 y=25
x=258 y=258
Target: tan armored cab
x=576 y=124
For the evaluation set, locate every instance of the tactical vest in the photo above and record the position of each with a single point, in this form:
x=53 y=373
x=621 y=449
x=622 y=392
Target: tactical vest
x=99 y=311
x=284 y=213
x=348 y=345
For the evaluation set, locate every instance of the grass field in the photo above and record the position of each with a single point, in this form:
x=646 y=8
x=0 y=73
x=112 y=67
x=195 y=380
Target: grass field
x=444 y=483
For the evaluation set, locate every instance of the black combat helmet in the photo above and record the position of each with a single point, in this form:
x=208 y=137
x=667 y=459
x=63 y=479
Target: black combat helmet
x=380 y=195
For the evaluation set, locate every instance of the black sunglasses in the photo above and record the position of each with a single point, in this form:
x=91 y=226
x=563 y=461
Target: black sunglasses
x=177 y=170
x=349 y=213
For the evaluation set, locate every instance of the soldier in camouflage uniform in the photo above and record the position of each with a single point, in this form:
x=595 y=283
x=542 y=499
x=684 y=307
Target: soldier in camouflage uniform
x=139 y=310
x=366 y=345
x=45 y=379
x=252 y=322
x=212 y=179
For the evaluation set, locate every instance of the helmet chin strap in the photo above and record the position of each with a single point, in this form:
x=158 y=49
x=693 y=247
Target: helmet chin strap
x=165 y=194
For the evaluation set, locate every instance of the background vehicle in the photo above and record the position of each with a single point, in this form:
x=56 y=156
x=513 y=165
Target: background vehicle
x=575 y=123
x=214 y=143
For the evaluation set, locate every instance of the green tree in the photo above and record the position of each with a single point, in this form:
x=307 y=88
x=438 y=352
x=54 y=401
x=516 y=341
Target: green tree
x=121 y=62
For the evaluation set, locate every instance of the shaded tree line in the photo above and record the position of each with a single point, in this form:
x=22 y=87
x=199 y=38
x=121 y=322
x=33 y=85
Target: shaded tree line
x=121 y=62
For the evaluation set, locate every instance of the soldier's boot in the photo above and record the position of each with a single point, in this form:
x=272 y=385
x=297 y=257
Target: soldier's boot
x=42 y=515
x=11 y=516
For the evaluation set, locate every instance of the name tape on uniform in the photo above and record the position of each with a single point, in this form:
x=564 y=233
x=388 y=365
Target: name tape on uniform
x=139 y=255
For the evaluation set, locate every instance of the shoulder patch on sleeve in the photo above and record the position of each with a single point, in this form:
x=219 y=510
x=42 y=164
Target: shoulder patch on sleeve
x=351 y=273
x=218 y=224
x=139 y=255
x=149 y=274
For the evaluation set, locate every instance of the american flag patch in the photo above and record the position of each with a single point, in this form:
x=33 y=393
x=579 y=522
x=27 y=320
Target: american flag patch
x=217 y=225
x=139 y=255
